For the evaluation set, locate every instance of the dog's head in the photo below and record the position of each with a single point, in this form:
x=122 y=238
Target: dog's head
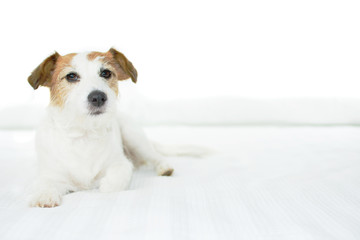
x=84 y=83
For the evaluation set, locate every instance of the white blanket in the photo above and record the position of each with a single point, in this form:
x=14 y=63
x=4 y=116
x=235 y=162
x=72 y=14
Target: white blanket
x=263 y=183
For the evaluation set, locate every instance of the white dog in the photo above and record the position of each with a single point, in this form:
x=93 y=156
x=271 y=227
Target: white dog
x=83 y=142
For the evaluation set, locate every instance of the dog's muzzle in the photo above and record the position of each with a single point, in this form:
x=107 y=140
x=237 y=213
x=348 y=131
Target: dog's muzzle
x=96 y=99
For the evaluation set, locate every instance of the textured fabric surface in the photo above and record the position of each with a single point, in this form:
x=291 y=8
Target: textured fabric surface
x=263 y=183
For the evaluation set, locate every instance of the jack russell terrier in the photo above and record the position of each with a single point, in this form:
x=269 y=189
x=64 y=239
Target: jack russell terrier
x=83 y=141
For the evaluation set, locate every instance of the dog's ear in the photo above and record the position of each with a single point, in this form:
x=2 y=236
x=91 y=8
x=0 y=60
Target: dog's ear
x=41 y=76
x=126 y=68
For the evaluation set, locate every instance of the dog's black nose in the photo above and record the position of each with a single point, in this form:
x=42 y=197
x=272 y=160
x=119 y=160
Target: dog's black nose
x=97 y=98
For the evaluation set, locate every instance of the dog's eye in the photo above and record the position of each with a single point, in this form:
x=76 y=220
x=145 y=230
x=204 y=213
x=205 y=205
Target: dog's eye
x=105 y=73
x=72 y=77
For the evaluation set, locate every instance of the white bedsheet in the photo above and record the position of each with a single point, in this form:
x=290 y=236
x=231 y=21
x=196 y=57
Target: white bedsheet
x=264 y=183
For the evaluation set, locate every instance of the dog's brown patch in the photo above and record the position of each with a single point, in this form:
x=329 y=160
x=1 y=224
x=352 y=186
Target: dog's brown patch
x=59 y=89
x=107 y=61
x=42 y=75
x=113 y=84
x=93 y=55
x=125 y=68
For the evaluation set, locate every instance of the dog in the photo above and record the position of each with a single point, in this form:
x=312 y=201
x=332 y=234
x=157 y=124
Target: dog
x=83 y=142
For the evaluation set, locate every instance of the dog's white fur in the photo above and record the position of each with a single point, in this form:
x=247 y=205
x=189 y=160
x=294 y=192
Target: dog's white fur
x=78 y=151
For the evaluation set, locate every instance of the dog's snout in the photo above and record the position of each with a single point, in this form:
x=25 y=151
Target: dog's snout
x=97 y=98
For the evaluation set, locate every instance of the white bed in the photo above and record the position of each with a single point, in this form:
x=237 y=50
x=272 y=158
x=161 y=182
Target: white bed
x=263 y=183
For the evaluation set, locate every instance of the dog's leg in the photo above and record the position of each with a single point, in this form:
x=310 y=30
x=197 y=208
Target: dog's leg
x=140 y=148
x=47 y=193
x=117 y=176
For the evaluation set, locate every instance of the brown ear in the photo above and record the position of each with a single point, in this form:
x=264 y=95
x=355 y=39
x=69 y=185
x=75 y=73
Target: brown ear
x=126 y=69
x=41 y=76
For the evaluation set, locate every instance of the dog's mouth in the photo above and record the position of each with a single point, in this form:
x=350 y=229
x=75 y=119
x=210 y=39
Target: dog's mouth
x=95 y=113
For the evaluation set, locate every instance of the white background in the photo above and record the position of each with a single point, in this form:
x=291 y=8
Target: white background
x=192 y=49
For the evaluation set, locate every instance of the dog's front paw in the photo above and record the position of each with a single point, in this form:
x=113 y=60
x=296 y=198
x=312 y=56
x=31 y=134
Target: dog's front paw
x=164 y=170
x=46 y=199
